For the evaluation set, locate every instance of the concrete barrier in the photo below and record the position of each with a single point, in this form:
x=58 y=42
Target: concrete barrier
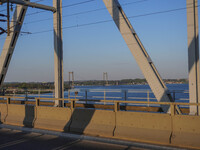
x=52 y=118
x=3 y=112
x=147 y=127
x=186 y=131
x=93 y=122
x=21 y=115
x=177 y=130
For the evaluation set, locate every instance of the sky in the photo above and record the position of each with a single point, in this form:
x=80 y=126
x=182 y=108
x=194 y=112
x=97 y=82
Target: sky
x=92 y=49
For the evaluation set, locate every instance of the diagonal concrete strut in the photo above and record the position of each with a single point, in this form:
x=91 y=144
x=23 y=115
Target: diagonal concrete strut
x=140 y=54
x=10 y=42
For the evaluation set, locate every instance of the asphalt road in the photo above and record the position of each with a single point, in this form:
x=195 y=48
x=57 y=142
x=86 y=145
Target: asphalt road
x=15 y=139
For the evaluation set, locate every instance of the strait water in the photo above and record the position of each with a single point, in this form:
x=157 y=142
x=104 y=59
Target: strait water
x=127 y=92
x=179 y=92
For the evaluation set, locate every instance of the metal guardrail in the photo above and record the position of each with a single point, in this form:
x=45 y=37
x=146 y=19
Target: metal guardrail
x=108 y=94
x=126 y=95
x=174 y=106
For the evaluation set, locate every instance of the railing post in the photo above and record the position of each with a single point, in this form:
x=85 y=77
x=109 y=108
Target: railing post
x=125 y=98
x=86 y=96
x=39 y=92
x=26 y=93
x=14 y=93
x=174 y=96
x=68 y=93
x=76 y=93
x=172 y=106
x=125 y=95
x=53 y=93
x=37 y=102
x=4 y=91
x=60 y=103
x=63 y=103
x=104 y=96
x=72 y=105
x=116 y=106
x=8 y=100
x=148 y=97
x=7 y=103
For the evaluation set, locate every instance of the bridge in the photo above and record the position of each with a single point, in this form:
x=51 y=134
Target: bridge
x=169 y=126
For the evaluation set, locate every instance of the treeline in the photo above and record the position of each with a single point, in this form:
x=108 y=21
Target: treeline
x=50 y=85
x=31 y=85
x=127 y=82
x=111 y=82
x=176 y=80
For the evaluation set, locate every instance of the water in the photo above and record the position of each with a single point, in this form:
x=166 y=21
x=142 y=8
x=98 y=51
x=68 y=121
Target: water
x=137 y=87
x=127 y=92
x=122 y=92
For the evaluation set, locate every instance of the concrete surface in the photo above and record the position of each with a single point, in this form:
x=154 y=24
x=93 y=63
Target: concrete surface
x=15 y=139
x=12 y=138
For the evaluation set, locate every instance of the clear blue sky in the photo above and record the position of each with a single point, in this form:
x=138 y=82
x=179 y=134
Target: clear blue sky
x=91 y=50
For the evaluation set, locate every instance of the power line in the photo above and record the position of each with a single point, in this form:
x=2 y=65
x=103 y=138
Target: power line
x=105 y=21
x=17 y=6
x=71 y=5
x=84 y=12
x=99 y=9
x=80 y=3
x=13 y=21
x=75 y=4
x=90 y=11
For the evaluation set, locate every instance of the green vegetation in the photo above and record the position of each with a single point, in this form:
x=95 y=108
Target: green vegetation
x=31 y=85
x=50 y=85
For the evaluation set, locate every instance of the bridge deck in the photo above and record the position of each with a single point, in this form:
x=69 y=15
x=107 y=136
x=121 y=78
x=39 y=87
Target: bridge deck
x=14 y=138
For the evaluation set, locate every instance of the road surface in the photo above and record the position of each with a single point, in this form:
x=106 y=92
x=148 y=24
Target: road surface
x=14 y=139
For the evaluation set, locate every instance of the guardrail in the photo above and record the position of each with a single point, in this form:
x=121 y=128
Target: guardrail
x=126 y=95
x=106 y=94
x=174 y=106
x=28 y=93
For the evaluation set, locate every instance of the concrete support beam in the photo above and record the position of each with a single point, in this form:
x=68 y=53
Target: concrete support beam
x=193 y=55
x=137 y=49
x=29 y=4
x=58 y=51
x=11 y=40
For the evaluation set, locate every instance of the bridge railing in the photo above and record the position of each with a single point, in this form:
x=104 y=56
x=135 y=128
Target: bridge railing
x=126 y=95
x=115 y=105
x=99 y=94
